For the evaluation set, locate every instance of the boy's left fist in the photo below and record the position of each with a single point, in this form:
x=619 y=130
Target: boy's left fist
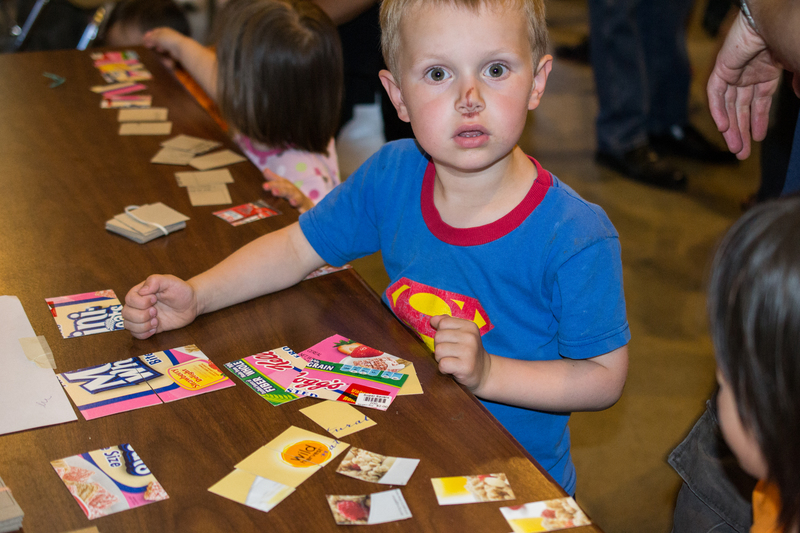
x=459 y=351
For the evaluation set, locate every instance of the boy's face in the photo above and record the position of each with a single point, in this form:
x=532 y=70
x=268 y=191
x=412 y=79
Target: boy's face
x=467 y=81
x=740 y=439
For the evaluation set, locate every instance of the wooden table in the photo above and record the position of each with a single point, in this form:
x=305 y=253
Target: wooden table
x=65 y=171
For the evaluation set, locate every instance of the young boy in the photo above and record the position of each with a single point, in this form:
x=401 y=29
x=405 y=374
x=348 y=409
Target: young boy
x=511 y=278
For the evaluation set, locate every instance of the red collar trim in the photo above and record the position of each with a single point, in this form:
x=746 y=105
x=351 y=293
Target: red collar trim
x=489 y=232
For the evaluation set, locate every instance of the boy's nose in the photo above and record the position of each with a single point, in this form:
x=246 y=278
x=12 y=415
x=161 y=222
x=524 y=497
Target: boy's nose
x=470 y=101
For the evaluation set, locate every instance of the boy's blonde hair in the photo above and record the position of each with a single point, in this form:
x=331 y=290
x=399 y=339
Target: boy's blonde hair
x=392 y=12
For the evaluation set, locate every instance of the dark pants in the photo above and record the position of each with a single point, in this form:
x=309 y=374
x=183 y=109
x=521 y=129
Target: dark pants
x=641 y=69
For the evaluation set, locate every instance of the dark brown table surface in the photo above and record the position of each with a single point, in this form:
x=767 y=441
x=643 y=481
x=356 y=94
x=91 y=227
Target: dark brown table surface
x=64 y=171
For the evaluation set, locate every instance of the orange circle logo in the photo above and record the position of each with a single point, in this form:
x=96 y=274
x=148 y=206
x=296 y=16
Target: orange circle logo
x=305 y=453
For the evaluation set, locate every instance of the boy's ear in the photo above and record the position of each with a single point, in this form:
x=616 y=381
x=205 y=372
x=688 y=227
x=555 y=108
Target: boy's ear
x=393 y=90
x=539 y=81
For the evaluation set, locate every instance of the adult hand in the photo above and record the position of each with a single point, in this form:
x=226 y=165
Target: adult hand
x=745 y=76
x=160 y=303
x=459 y=351
x=280 y=186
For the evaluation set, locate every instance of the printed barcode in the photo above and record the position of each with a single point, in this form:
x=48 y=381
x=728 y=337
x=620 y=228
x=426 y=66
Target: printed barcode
x=375 y=401
x=374 y=398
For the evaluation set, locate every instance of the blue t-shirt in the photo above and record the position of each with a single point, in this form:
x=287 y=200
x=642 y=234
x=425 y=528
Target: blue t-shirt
x=541 y=283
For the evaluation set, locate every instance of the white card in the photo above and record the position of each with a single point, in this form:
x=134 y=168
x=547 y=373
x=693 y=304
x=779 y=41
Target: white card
x=145 y=128
x=188 y=143
x=203 y=177
x=150 y=114
x=216 y=160
x=170 y=156
x=214 y=194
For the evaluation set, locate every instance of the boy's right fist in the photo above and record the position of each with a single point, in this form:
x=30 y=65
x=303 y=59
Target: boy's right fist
x=160 y=303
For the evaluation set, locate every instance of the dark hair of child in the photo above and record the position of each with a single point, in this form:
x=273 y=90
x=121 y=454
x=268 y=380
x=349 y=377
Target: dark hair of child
x=279 y=78
x=754 y=308
x=149 y=14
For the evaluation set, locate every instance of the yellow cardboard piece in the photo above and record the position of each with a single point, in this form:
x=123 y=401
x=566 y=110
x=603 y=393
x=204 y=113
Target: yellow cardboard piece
x=293 y=456
x=338 y=418
x=412 y=384
x=251 y=490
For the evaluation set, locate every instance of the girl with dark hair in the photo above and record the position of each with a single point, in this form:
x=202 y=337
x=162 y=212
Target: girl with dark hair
x=276 y=74
x=754 y=307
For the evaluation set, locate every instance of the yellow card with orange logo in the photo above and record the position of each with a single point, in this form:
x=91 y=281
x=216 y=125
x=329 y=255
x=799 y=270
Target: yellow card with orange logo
x=292 y=457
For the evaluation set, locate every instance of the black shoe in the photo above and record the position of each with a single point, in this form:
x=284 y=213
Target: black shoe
x=642 y=164
x=686 y=141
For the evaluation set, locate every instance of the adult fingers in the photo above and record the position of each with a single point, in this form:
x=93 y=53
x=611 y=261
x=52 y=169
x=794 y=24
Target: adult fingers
x=716 y=90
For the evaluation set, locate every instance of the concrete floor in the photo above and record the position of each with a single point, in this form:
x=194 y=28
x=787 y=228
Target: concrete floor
x=624 y=482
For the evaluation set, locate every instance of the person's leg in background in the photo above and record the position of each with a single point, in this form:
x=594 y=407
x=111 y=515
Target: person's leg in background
x=662 y=25
x=620 y=68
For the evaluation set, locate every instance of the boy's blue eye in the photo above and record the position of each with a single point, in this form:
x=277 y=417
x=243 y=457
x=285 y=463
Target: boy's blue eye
x=437 y=74
x=496 y=70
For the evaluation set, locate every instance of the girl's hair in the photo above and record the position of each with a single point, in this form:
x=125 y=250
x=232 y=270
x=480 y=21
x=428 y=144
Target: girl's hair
x=279 y=77
x=754 y=307
x=392 y=12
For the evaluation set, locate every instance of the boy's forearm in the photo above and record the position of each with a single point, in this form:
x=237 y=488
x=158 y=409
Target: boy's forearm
x=270 y=263
x=563 y=385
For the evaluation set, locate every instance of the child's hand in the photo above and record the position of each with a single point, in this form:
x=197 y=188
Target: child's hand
x=166 y=41
x=159 y=303
x=459 y=351
x=284 y=188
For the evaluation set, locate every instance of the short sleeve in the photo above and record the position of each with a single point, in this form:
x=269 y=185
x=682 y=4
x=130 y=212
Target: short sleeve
x=343 y=225
x=590 y=301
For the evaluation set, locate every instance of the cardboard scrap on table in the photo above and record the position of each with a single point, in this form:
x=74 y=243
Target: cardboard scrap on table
x=109 y=480
x=208 y=187
x=137 y=382
x=457 y=490
x=188 y=143
x=368 y=509
x=145 y=128
x=88 y=313
x=171 y=156
x=10 y=512
x=246 y=213
x=338 y=418
x=376 y=468
x=216 y=159
x=549 y=515
x=273 y=472
x=152 y=114
x=147 y=222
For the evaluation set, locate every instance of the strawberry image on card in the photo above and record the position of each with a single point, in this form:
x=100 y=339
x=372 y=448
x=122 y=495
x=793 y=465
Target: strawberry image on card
x=339 y=349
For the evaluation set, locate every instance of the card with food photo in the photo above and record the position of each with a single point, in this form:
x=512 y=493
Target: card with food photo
x=472 y=489
x=376 y=468
x=549 y=515
x=339 y=349
x=109 y=480
x=368 y=509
